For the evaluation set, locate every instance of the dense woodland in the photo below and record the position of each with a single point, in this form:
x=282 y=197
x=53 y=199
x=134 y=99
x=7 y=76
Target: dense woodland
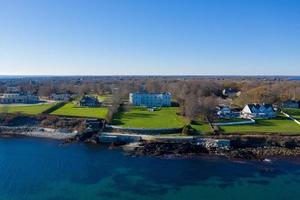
x=196 y=96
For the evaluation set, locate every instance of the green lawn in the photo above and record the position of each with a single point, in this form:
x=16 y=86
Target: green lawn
x=277 y=125
x=71 y=109
x=104 y=97
x=28 y=109
x=294 y=112
x=142 y=118
x=202 y=127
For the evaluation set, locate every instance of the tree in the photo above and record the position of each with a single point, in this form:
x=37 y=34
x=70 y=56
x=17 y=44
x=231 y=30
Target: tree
x=191 y=106
x=207 y=107
x=117 y=98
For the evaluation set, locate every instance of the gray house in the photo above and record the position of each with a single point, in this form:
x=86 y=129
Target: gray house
x=290 y=104
x=230 y=92
x=227 y=112
x=89 y=101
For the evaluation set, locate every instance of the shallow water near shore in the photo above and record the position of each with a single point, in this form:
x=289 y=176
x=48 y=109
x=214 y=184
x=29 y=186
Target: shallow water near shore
x=44 y=169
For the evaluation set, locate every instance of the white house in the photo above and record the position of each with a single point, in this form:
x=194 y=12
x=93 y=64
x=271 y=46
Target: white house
x=258 y=111
x=150 y=99
x=11 y=98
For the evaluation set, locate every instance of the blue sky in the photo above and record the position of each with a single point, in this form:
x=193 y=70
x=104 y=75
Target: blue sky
x=156 y=37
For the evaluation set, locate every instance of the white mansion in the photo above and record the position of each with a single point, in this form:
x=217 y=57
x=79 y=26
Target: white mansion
x=150 y=99
x=11 y=98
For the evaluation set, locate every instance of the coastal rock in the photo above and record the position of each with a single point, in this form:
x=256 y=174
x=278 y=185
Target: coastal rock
x=164 y=149
x=262 y=152
x=160 y=149
x=92 y=140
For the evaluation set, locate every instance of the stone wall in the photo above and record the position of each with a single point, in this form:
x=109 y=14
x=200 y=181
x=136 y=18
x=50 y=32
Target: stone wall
x=250 y=121
x=146 y=131
x=124 y=138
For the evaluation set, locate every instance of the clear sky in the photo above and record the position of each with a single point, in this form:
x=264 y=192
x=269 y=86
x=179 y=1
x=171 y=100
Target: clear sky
x=155 y=37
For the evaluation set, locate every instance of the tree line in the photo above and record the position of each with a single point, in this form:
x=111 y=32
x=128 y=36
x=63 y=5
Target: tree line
x=196 y=97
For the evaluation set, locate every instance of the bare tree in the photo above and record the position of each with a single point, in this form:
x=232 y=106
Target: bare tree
x=207 y=107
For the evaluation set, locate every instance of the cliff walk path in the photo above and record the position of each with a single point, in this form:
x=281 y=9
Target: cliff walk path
x=292 y=118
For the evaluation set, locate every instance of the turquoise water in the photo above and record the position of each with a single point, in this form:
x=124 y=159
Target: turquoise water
x=43 y=169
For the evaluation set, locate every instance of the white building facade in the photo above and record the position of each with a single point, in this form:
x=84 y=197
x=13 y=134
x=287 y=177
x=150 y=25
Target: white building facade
x=258 y=111
x=11 y=98
x=150 y=99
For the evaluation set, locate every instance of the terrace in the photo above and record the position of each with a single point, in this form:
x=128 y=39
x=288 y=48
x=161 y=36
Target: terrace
x=137 y=117
x=280 y=125
x=30 y=109
x=71 y=109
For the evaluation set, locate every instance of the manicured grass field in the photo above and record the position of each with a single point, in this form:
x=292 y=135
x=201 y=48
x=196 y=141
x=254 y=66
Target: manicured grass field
x=142 y=118
x=104 y=97
x=277 y=125
x=293 y=112
x=202 y=127
x=28 y=109
x=71 y=109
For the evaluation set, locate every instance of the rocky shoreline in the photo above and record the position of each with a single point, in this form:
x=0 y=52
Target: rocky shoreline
x=158 y=149
x=243 y=147
x=38 y=133
x=262 y=153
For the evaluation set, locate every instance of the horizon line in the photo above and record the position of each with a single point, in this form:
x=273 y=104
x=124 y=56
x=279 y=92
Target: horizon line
x=140 y=75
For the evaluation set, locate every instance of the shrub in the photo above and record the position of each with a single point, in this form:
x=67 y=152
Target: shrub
x=188 y=130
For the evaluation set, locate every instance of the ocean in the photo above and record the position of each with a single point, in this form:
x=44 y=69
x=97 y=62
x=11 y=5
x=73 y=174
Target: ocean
x=37 y=169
